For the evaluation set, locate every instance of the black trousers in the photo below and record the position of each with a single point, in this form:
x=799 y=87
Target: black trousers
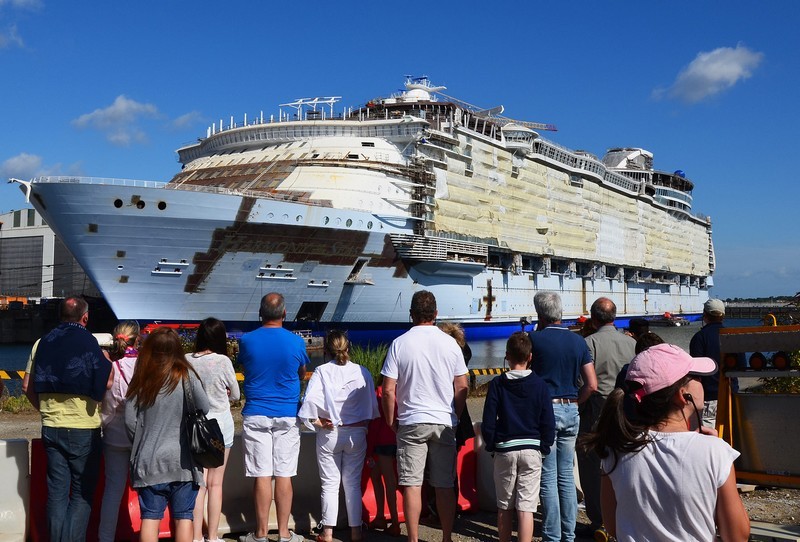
x=589 y=463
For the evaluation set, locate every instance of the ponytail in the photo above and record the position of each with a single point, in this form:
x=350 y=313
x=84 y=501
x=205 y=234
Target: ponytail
x=615 y=433
x=125 y=334
x=337 y=346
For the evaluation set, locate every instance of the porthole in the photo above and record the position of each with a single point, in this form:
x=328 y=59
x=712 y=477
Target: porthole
x=326 y=220
x=120 y=267
x=338 y=221
x=369 y=225
x=117 y=203
x=299 y=218
x=270 y=215
x=140 y=204
x=349 y=222
x=162 y=205
x=285 y=217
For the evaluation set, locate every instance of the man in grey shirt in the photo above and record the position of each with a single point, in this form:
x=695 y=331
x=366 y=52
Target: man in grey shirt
x=610 y=350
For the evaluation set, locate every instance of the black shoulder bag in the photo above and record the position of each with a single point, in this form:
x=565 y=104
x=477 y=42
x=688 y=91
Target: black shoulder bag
x=205 y=436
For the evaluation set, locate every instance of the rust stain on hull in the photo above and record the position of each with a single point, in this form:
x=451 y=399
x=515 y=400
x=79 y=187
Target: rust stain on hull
x=297 y=244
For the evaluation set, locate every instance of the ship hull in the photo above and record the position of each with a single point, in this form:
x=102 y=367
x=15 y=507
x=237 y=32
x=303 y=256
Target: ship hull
x=161 y=254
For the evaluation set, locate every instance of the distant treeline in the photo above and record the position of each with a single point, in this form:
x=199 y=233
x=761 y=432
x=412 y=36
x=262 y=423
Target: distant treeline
x=782 y=299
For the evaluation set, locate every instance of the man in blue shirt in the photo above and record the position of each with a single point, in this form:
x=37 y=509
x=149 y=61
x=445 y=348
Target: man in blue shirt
x=274 y=361
x=560 y=357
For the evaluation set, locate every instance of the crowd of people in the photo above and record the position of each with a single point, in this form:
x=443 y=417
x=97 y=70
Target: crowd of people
x=638 y=414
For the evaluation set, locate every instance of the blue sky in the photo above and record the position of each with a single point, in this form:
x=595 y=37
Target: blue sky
x=111 y=89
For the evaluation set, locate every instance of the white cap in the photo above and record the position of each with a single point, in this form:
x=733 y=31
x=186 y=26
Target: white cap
x=713 y=306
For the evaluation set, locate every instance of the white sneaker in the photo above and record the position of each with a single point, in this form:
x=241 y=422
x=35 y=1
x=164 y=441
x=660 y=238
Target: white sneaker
x=293 y=537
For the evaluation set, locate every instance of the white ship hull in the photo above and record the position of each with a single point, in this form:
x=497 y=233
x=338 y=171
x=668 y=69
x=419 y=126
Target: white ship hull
x=143 y=262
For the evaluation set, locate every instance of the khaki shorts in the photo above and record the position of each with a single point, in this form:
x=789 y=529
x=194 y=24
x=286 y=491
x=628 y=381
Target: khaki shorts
x=428 y=444
x=517 y=476
x=271 y=446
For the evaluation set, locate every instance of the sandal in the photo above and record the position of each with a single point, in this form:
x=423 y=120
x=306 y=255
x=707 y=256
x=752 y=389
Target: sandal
x=321 y=538
x=393 y=529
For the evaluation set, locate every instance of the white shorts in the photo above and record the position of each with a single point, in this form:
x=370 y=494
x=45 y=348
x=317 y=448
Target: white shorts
x=271 y=446
x=225 y=420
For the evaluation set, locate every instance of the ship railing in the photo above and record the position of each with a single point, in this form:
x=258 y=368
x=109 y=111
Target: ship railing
x=99 y=180
x=566 y=156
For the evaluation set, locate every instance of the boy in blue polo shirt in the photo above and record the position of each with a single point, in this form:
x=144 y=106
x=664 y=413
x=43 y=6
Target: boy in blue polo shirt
x=518 y=427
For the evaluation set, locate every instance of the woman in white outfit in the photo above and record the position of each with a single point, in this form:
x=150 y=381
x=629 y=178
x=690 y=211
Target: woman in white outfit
x=116 y=444
x=339 y=403
x=215 y=369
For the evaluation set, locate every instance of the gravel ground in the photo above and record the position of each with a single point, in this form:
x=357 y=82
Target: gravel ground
x=770 y=505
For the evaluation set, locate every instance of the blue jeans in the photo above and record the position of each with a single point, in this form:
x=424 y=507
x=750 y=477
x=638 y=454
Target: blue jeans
x=558 y=495
x=73 y=467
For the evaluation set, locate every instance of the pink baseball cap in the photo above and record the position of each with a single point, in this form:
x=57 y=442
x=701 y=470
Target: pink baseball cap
x=662 y=365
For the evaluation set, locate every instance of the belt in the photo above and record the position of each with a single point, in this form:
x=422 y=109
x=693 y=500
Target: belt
x=564 y=401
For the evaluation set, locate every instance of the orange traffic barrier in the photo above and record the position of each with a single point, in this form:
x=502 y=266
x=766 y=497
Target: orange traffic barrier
x=129 y=523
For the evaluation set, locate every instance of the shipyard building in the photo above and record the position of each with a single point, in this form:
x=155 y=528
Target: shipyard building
x=34 y=263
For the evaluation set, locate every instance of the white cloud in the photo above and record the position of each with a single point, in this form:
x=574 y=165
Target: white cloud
x=185 y=121
x=10 y=38
x=119 y=121
x=21 y=4
x=22 y=166
x=26 y=166
x=711 y=73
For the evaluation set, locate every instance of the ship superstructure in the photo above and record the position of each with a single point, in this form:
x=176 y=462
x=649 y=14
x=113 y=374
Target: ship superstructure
x=349 y=213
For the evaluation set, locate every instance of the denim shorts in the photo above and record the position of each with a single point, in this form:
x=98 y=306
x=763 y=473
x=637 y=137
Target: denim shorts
x=180 y=496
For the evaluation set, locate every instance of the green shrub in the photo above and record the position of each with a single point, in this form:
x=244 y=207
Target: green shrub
x=16 y=404
x=785 y=384
x=370 y=357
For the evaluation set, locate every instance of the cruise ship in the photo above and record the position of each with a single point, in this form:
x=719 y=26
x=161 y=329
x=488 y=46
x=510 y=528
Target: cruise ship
x=349 y=211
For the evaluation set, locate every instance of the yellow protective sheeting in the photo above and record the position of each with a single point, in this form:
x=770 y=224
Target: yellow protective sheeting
x=538 y=210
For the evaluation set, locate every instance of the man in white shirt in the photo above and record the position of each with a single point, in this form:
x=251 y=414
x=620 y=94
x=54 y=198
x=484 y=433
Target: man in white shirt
x=426 y=377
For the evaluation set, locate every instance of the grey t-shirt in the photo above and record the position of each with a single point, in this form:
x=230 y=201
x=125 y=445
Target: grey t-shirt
x=160 y=452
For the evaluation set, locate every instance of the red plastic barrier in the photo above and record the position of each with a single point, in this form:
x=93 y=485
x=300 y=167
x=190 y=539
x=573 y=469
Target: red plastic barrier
x=129 y=523
x=466 y=469
x=369 y=507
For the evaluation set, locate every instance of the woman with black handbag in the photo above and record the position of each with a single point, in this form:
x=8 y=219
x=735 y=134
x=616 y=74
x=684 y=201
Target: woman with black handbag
x=210 y=360
x=163 y=471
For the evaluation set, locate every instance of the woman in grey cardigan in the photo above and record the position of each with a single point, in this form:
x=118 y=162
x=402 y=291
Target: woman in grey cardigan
x=162 y=469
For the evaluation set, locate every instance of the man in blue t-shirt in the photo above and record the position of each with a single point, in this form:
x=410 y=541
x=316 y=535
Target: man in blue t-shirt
x=274 y=361
x=560 y=357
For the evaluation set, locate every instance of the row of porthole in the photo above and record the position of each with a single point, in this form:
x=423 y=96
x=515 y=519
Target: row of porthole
x=118 y=203
x=349 y=222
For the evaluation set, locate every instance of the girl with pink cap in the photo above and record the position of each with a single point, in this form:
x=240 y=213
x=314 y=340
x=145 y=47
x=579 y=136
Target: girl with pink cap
x=665 y=478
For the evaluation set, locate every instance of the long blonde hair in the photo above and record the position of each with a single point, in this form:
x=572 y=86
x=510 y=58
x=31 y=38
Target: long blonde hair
x=337 y=345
